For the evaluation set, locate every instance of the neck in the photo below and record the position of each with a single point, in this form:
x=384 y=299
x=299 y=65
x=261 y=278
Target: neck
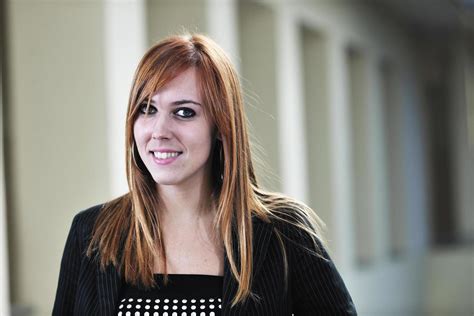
x=187 y=204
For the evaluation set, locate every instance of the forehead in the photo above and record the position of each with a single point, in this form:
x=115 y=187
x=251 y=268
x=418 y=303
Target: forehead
x=184 y=85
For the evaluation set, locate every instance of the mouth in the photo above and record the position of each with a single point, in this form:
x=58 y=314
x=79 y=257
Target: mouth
x=164 y=156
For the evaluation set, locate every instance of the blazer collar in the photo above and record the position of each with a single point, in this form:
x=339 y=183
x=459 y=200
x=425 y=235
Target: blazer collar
x=109 y=282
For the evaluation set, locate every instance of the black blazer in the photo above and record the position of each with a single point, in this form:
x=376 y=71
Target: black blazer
x=315 y=286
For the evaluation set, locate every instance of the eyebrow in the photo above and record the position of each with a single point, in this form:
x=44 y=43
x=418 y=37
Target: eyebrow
x=179 y=102
x=184 y=101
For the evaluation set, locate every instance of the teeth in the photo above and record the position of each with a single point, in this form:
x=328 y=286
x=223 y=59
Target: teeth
x=165 y=155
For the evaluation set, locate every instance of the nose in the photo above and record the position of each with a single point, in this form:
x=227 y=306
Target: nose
x=162 y=128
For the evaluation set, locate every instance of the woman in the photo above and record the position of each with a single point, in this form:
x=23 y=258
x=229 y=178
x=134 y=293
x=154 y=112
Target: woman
x=195 y=235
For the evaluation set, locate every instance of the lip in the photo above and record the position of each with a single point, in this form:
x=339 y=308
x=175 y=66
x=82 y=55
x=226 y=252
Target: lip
x=164 y=161
x=165 y=150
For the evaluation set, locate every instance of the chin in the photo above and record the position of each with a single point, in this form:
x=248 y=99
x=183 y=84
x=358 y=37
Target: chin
x=165 y=181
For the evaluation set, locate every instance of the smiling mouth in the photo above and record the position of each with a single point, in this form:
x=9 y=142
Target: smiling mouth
x=165 y=156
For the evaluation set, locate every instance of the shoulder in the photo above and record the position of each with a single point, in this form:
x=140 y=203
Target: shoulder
x=299 y=231
x=301 y=227
x=83 y=222
x=87 y=216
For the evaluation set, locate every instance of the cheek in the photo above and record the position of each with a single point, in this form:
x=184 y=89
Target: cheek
x=200 y=137
x=138 y=129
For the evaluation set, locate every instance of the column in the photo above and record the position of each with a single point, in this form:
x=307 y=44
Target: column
x=292 y=138
x=125 y=43
x=222 y=26
x=377 y=161
x=341 y=155
x=4 y=275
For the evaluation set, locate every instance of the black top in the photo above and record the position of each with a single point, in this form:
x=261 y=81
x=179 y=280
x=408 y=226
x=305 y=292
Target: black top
x=314 y=285
x=184 y=295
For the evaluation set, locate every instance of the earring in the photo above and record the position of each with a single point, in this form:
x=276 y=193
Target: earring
x=221 y=161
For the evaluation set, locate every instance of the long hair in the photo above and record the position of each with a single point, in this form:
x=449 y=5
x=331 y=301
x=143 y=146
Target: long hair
x=127 y=232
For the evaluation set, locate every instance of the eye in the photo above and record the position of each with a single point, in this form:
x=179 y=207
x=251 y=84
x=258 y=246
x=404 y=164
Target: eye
x=188 y=113
x=143 y=109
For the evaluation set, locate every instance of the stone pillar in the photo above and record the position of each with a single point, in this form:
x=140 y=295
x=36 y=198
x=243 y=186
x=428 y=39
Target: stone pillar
x=125 y=43
x=4 y=275
x=377 y=160
x=222 y=26
x=292 y=138
x=341 y=155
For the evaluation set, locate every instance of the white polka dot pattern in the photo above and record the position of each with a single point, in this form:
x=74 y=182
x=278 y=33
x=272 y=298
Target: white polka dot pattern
x=170 y=307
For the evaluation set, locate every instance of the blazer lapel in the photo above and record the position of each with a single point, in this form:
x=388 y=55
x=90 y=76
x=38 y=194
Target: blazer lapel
x=108 y=289
x=262 y=233
x=109 y=282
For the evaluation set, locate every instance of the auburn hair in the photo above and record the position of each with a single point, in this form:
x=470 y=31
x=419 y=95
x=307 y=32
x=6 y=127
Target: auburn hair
x=127 y=232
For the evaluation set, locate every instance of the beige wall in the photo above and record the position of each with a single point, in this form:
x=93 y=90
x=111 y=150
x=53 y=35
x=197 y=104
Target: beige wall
x=449 y=286
x=56 y=135
x=165 y=17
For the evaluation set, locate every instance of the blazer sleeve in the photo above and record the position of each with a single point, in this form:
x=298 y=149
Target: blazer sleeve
x=69 y=273
x=317 y=286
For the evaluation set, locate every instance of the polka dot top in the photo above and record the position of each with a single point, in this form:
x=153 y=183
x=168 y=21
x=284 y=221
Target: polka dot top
x=185 y=295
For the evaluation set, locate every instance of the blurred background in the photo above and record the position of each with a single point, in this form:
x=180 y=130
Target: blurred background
x=362 y=109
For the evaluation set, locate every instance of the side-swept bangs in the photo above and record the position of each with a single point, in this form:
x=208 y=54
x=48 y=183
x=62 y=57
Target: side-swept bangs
x=161 y=64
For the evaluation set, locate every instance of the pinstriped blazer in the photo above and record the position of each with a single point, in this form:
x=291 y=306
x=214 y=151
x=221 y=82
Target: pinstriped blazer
x=314 y=285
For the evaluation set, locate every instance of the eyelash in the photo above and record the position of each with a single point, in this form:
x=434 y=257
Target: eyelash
x=142 y=109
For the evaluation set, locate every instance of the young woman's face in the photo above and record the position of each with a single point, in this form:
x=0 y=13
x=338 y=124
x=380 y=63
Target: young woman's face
x=174 y=140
